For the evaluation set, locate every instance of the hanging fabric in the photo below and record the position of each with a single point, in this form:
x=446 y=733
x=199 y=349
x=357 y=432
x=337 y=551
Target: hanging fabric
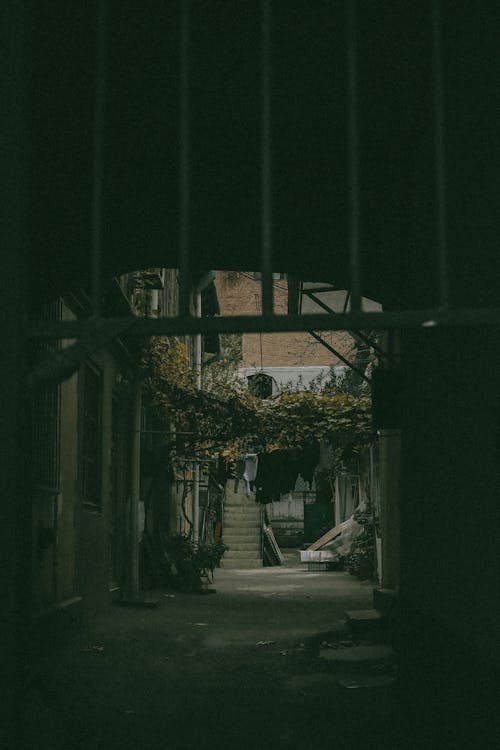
x=250 y=473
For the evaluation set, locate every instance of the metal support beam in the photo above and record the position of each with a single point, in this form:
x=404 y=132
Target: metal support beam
x=184 y=325
x=318 y=301
x=98 y=157
x=357 y=335
x=353 y=149
x=440 y=155
x=340 y=356
x=16 y=526
x=185 y=160
x=267 y=166
x=196 y=504
x=322 y=289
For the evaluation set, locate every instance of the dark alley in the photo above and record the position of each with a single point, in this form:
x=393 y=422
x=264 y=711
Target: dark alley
x=240 y=668
x=249 y=403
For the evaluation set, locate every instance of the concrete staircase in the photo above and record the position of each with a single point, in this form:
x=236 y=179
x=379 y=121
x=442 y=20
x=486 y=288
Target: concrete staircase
x=241 y=530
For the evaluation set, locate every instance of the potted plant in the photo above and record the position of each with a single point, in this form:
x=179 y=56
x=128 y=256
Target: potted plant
x=192 y=567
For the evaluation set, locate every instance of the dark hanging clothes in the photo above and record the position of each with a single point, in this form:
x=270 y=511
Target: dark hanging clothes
x=272 y=475
x=278 y=471
x=308 y=460
x=223 y=471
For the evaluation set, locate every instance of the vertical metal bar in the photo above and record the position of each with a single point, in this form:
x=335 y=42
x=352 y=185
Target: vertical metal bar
x=98 y=159
x=135 y=487
x=353 y=151
x=195 y=512
x=197 y=343
x=16 y=524
x=266 y=169
x=184 y=165
x=346 y=301
x=195 y=495
x=439 y=146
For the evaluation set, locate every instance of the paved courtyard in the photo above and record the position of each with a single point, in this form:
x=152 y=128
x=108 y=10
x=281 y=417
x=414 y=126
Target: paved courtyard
x=242 y=668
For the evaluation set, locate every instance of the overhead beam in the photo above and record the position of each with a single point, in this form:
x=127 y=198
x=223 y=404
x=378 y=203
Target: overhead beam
x=143 y=327
x=340 y=356
x=322 y=289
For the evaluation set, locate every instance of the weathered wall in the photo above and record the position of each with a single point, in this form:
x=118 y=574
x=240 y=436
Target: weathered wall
x=103 y=526
x=287 y=520
x=79 y=563
x=94 y=538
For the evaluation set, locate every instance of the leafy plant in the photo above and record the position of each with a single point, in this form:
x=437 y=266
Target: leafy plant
x=221 y=377
x=208 y=556
x=190 y=564
x=233 y=420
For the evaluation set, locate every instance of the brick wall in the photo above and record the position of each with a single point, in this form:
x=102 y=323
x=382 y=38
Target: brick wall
x=239 y=294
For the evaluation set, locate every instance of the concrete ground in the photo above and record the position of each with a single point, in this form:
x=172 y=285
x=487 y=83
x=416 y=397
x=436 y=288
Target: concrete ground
x=253 y=666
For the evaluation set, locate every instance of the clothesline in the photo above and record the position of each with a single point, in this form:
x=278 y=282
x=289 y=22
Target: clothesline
x=272 y=474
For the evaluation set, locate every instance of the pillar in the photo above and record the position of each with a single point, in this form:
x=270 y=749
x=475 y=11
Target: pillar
x=390 y=460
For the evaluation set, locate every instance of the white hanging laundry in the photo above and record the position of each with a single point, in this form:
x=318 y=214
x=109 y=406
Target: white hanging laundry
x=250 y=473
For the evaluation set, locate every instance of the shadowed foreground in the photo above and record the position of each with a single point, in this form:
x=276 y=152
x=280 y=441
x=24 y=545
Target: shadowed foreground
x=241 y=668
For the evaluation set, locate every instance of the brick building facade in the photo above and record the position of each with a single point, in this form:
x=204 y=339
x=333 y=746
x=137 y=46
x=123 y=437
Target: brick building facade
x=239 y=293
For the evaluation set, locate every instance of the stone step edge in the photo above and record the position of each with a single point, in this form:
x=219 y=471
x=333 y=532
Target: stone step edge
x=251 y=554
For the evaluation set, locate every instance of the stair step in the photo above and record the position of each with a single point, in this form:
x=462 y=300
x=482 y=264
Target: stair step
x=385 y=601
x=240 y=564
x=369 y=623
x=253 y=546
x=243 y=518
x=241 y=553
x=245 y=504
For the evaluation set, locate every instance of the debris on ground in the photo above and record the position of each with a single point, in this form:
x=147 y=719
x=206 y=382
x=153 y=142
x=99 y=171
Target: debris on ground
x=92 y=649
x=265 y=643
x=348 y=545
x=368 y=681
